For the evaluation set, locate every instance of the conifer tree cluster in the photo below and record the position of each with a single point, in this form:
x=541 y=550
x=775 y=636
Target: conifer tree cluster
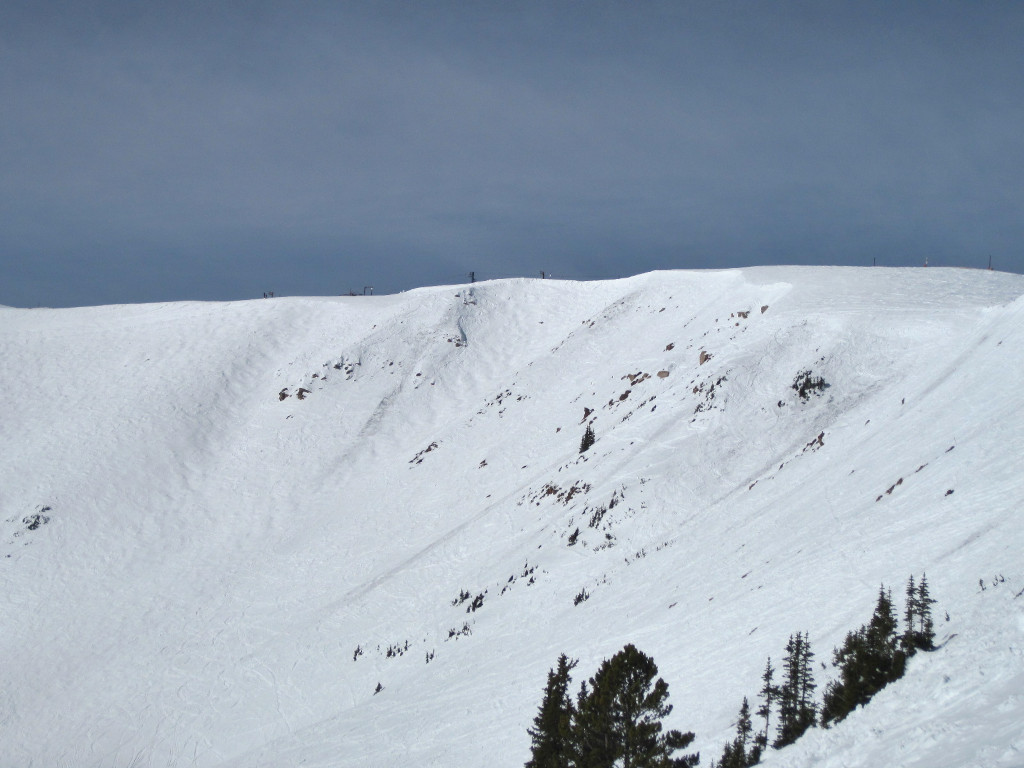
x=616 y=719
x=869 y=659
x=588 y=439
x=792 y=699
x=797 y=710
x=919 y=633
x=875 y=655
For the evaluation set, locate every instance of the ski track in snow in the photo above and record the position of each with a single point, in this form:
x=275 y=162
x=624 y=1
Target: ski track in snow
x=214 y=552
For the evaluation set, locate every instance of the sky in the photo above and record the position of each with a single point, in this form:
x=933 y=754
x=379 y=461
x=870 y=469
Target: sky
x=216 y=151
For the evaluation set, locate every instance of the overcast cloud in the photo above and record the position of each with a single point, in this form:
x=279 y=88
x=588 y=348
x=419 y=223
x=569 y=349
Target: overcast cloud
x=164 y=151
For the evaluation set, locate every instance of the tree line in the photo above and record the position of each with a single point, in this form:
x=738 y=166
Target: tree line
x=616 y=717
x=870 y=658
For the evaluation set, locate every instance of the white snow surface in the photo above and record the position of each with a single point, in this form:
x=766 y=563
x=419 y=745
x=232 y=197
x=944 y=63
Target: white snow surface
x=209 y=556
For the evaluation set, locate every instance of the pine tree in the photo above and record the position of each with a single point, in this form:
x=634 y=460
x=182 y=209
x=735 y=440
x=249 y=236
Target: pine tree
x=797 y=711
x=908 y=642
x=807 y=710
x=842 y=695
x=550 y=746
x=617 y=721
x=744 y=727
x=768 y=693
x=885 y=661
x=926 y=638
x=919 y=633
x=735 y=753
x=588 y=439
x=728 y=758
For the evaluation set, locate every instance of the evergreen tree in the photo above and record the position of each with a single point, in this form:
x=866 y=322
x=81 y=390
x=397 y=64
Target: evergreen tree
x=885 y=661
x=550 y=746
x=919 y=633
x=806 y=708
x=926 y=637
x=844 y=694
x=735 y=754
x=796 y=705
x=910 y=613
x=617 y=721
x=590 y=728
x=744 y=727
x=728 y=758
x=869 y=659
x=787 y=698
x=588 y=439
x=768 y=693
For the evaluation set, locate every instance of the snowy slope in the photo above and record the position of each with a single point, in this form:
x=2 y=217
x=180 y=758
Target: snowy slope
x=211 y=550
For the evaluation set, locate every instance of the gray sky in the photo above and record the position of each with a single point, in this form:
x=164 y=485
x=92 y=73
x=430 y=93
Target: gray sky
x=163 y=151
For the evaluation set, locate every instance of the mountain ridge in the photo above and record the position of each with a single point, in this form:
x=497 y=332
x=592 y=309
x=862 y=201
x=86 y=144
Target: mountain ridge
x=218 y=548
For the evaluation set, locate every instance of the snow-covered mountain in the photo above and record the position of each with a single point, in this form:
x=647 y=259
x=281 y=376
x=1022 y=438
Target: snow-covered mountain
x=223 y=525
